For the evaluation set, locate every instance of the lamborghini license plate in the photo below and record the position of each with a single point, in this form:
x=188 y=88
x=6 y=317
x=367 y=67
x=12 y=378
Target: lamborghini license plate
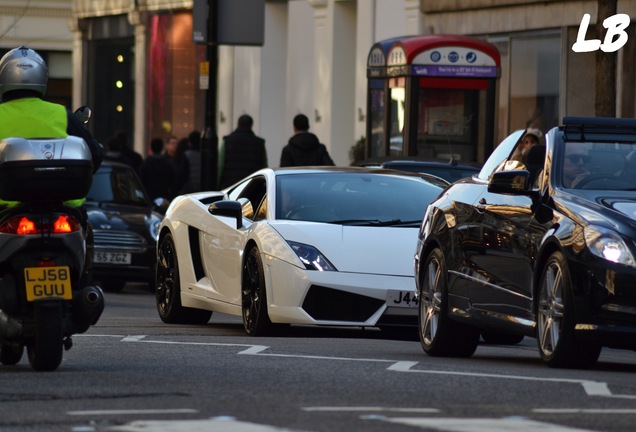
x=405 y=299
x=48 y=283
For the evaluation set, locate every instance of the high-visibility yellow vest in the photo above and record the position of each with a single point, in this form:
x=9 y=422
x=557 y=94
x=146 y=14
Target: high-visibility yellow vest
x=32 y=118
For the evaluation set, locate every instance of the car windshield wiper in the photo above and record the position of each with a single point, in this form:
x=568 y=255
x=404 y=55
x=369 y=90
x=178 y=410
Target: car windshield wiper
x=376 y=222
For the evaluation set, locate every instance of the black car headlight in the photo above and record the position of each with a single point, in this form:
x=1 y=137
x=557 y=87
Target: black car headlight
x=311 y=257
x=608 y=245
x=154 y=222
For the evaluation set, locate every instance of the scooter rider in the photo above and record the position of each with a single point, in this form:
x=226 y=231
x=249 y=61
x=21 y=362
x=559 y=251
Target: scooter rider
x=23 y=113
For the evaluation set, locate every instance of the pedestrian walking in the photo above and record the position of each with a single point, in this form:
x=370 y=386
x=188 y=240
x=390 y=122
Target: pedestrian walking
x=241 y=153
x=304 y=148
x=189 y=175
x=157 y=173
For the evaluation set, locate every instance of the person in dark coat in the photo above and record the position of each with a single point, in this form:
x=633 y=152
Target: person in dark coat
x=241 y=153
x=304 y=148
x=157 y=173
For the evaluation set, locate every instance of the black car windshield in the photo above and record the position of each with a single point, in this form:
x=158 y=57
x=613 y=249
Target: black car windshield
x=360 y=199
x=119 y=186
x=598 y=165
x=450 y=173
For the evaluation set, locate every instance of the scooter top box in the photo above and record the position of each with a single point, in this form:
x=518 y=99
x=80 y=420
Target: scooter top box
x=44 y=169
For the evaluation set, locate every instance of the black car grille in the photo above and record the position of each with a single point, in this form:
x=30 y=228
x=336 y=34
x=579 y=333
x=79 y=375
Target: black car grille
x=120 y=240
x=328 y=304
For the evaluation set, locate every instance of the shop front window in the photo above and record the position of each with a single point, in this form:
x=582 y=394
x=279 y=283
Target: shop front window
x=535 y=74
x=176 y=104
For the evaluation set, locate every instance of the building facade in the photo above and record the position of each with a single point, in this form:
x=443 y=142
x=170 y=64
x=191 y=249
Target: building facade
x=43 y=26
x=136 y=64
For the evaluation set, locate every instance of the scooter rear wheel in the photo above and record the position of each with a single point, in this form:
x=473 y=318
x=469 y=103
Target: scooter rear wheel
x=46 y=348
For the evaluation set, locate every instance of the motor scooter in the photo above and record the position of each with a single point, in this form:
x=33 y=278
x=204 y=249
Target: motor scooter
x=44 y=294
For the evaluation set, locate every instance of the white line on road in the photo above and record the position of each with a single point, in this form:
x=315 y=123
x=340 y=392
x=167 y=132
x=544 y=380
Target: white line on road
x=207 y=425
x=583 y=411
x=374 y=409
x=591 y=388
x=133 y=338
x=133 y=412
x=482 y=425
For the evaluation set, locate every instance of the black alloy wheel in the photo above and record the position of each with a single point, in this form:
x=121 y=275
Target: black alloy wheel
x=439 y=335
x=168 y=288
x=556 y=338
x=253 y=297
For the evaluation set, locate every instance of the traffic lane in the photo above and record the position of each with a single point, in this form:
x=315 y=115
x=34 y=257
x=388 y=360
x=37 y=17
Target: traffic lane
x=323 y=378
x=314 y=385
x=135 y=307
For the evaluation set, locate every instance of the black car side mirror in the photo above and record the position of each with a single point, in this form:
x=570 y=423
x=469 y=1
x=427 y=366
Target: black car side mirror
x=229 y=209
x=510 y=182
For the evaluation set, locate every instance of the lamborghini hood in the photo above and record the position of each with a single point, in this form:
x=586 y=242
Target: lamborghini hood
x=355 y=249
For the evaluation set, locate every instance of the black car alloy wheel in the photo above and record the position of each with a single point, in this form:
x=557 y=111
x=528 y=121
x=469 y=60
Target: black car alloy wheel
x=555 y=319
x=439 y=335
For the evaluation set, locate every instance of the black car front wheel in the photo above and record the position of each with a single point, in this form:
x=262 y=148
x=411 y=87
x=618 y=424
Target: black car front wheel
x=253 y=297
x=558 y=345
x=440 y=336
x=168 y=288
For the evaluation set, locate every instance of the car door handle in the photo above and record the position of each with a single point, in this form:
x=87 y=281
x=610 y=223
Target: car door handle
x=482 y=205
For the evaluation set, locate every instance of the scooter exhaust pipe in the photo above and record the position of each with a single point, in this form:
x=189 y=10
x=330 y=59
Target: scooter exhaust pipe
x=10 y=328
x=88 y=305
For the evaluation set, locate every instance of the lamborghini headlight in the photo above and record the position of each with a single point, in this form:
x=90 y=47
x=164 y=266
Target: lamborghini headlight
x=608 y=245
x=311 y=257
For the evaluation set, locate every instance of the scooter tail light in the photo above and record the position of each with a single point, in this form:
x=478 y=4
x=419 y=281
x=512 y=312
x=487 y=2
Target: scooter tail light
x=22 y=225
x=65 y=224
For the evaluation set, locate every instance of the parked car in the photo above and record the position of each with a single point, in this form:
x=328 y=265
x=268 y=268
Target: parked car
x=543 y=247
x=125 y=226
x=325 y=246
x=449 y=171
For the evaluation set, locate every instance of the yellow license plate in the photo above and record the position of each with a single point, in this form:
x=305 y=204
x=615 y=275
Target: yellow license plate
x=48 y=283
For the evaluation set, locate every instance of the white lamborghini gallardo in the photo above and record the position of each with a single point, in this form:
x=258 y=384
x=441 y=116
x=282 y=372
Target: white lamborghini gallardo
x=321 y=246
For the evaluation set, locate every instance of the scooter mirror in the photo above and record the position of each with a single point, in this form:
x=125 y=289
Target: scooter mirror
x=83 y=113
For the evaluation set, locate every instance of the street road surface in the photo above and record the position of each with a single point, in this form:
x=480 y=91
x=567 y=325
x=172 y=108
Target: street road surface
x=131 y=372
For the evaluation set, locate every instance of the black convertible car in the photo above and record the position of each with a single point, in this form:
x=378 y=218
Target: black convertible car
x=542 y=247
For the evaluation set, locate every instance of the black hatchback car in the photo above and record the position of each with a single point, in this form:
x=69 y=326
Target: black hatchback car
x=543 y=247
x=125 y=227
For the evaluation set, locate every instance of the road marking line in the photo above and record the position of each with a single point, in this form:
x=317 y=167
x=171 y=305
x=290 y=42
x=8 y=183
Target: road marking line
x=133 y=412
x=365 y=409
x=591 y=388
x=133 y=338
x=583 y=411
x=256 y=349
x=206 y=425
x=482 y=425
